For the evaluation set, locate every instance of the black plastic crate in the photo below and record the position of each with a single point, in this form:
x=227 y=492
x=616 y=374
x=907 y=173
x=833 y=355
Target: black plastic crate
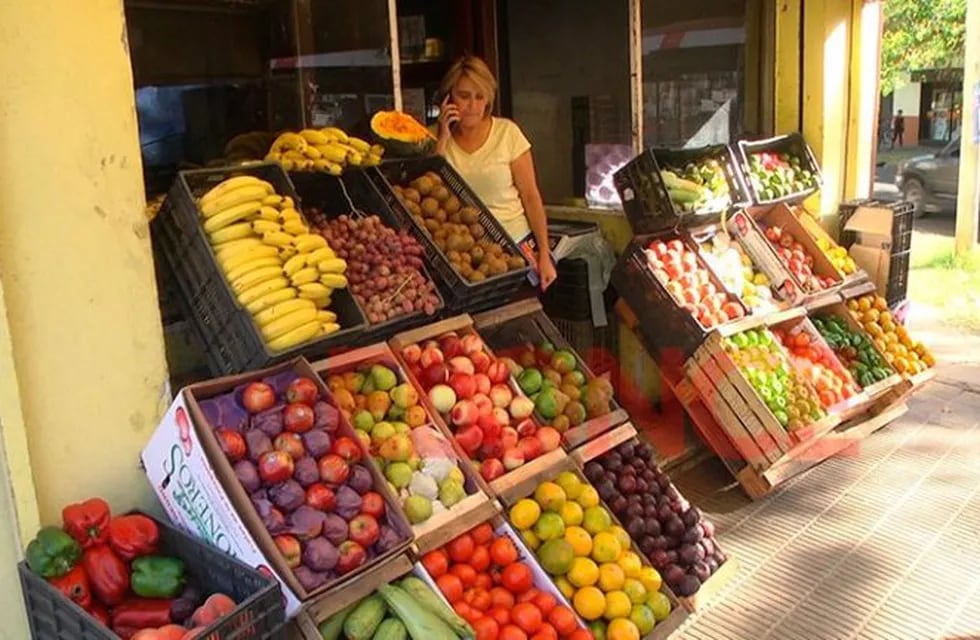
x=569 y=296
x=459 y=294
x=902 y=219
x=337 y=196
x=898 y=278
x=644 y=194
x=231 y=340
x=260 y=614
x=794 y=145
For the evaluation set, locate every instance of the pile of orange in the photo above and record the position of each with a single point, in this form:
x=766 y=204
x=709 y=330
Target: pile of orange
x=908 y=356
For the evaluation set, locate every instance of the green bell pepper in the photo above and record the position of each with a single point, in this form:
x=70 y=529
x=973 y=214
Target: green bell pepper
x=52 y=553
x=157 y=576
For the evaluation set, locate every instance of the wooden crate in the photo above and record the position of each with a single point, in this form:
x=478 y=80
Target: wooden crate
x=605 y=442
x=477 y=505
x=463 y=324
x=526 y=321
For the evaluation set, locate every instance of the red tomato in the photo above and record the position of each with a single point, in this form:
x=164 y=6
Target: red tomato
x=500 y=614
x=451 y=587
x=512 y=632
x=465 y=573
x=486 y=628
x=581 y=634
x=563 y=620
x=483 y=581
x=503 y=552
x=517 y=578
x=545 y=632
x=483 y=534
x=526 y=616
x=480 y=599
x=436 y=563
x=461 y=548
x=502 y=598
x=480 y=559
x=466 y=612
x=528 y=595
x=545 y=602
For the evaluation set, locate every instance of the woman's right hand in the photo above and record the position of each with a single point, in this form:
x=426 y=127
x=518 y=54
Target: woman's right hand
x=448 y=114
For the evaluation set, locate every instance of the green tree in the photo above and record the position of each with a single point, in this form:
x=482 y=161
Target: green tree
x=921 y=34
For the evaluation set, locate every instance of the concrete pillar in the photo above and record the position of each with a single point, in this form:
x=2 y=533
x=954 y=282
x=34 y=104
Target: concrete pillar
x=968 y=198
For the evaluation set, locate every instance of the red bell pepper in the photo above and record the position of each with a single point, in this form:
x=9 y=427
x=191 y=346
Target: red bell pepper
x=107 y=573
x=133 y=536
x=75 y=586
x=99 y=612
x=135 y=614
x=87 y=522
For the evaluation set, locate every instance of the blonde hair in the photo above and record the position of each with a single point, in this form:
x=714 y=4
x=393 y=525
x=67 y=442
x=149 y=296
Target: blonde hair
x=477 y=71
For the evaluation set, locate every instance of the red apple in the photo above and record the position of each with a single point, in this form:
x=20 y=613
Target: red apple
x=258 y=396
x=431 y=355
x=513 y=458
x=302 y=390
x=298 y=418
x=491 y=469
x=472 y=343
x=490 y=427
x=364 y=530
x=412 y=353
x=334 y=470
x=232 y=443
x=435 y=373
x=275 y=467
x=481 y=361
x=484 y=406
x=464 y=413
x=291 y=443
x=526 y=428
x=483 y=383
x=549 y=437
x=450 y=345
x=463 y=384
x=530 y=447
x=290 y=549
x=509 y=437
x=498 y=372
x=373 y=504
x=352 y=555
x=321 y=497
x=348 y=449
x=501 y=395
x=470 y=438
x=461 y=364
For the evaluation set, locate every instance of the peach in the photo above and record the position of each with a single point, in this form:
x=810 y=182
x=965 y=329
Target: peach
x=464 y=413
x=462 y=364
x=501 y=415
x=483 y=404
x=509 y=437
x=521 y=407
x=463 y=384
x=450 y=345
x=498 y=372
x=471 y=343
x=430 y=356
x=501 y=395
x=412 y=353
x=513 y=458
x=483 y=383
x=549 y=437
x=442 y=398
x=491 y=469
x=481 y=361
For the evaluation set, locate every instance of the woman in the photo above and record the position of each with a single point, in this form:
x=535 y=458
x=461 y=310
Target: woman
x=494 y=157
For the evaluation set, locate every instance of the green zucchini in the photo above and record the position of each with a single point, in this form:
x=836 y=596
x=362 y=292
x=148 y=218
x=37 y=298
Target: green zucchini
x=391 y=629
x=364 y=620
x=416 y=588
x=331 y=628
x=420 y=623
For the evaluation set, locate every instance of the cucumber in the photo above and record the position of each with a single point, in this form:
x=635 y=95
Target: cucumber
x=391 y=629
x=331 y=628
x=364 y=620
x=672 y=181
x=416 y=588
x=683 y=196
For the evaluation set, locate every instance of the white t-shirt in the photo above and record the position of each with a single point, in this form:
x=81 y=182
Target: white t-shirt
x=487 y=172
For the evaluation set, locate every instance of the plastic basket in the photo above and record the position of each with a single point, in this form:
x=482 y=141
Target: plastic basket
x=259 y=616
x=645 y=198
x=231 y=341
x=898 y=278
x=902 y=212
x=793 y=144
x=460 y=295
x=337 y=196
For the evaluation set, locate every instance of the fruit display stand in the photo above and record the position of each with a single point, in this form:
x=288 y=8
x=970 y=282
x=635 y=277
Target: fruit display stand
x=460 y=328
x=849 y=272
x=476 y=505
x=520 y=506
x=510 y=329
x=598 y=446
x=222 y=313
x=778 y=169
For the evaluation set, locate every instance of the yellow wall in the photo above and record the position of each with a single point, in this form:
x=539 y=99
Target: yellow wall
x=77 y=268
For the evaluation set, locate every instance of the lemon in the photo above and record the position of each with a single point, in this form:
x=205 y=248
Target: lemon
x=622 y=629
x=573 y=514
x=618 y=605
x=642 y=616
x=631 y=564
x=622 y=536
x=651 y=579
x=580 y=540
x=589 y=603
x=589 y=497
x=525 y=513
x=611 y=577
x=605 y=547
x=635 y=590
x=584 y=573
x=530 y=539
x=659 y=603
x=570 y=483
x=567 y=588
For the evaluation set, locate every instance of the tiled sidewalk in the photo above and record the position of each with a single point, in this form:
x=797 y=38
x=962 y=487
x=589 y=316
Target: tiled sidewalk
x=882 y=541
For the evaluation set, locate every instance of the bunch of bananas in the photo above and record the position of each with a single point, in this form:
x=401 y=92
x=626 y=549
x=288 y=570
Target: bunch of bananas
x=279 y=271
x=328 y=150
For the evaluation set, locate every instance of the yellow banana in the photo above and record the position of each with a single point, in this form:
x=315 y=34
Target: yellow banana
x=333 y=265
x=377 y=150
x=315 y=137
x=295 y=227
x=229 y=185
x=278 y=238
x=261 y=289
x=228 y=200
x=326 y=328
x=232 y=247
x=228 y=216
x=326 y=316
x=265 y=226
x=313 y=291
x=252 y=265
x=272 y=201
x=287 y=164
x=358 y=144
x=322 y=302
x=273 y=156
x=297 y=336
x=286 y=253
x=269 y=213
x=333 y=280
x=371 y=160
x=321 y=165
x=333 y=153
x=334 y=133
x=294 y=264
x=264 y=302
x=287 y=203
x=235 y=231
x=334 y=169
x=304 y=276
x=355 y=158
x=309 y=243
x=288 y=322
x=248 y=254
x=288 y=142
x=282 y=309
x=321 y=254
x=312 y=152
x=256 y=276
x=285 y=215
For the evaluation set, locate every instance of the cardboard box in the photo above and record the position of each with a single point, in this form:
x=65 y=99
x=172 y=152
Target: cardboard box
x=872 y=247
x=198 y=488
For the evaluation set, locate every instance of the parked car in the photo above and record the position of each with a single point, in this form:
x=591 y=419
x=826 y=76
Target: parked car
x=930 y=181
